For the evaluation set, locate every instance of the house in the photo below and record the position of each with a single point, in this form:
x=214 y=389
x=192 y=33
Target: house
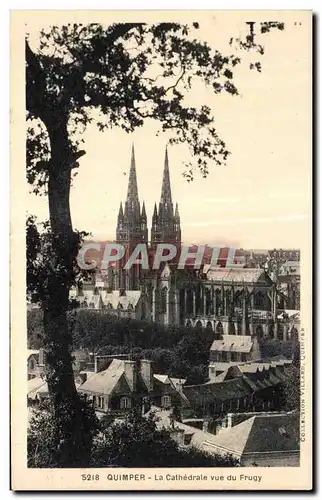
x=232 y=349
x=35 y=363
x=251 y=386
x=255 y=439
x=119 y=387
x=121 y=303
x=290 y=267
x=217 y=398
x=37 y=390
x=168 y=392
x=123 y=383
x=260 y=439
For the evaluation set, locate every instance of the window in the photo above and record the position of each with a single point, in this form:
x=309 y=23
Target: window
x=125 y=403
x=243 y=357
x=224 y=356
x=166 y=401
x=99 y=402
x=234 y=356
x=187 y=439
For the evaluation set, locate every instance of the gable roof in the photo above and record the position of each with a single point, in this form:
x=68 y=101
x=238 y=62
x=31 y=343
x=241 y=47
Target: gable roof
x=105 y=381
x=32 y=352
x=114 y=299
x=261 y=434
x=233 y=343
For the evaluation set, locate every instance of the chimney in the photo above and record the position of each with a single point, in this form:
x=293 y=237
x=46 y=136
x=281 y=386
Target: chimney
x=146 y=373
x=41 y=357
x=130 y=373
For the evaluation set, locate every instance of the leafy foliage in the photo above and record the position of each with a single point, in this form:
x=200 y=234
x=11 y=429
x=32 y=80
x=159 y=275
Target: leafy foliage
x=118 y=76
x=41 y=263
x=177 y=351
x=291 y=389
x=134 y=442
x=128 y=73
x=47 y=444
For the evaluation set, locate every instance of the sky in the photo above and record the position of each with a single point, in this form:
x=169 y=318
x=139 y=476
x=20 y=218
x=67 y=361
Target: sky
x=262 y=197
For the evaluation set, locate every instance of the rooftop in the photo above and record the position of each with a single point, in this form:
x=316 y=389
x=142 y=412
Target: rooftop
x=233 y=343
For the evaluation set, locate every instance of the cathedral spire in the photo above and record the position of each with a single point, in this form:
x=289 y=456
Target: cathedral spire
x=166 y=197
x=176 y=214
x=120 y=216
x=132 y=190
x=143 y=215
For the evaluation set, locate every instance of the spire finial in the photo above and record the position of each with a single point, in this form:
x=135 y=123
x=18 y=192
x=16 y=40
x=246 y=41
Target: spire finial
x=177 y=216
x=121 y=211
x=143 y=210
x=166 y=187
x=132 y=190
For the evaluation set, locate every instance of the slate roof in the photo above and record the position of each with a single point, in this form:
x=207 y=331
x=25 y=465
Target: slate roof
x=260 y=434
x=114 y=299
x=32 y=352
x=222 y=366
x=165 y=379
x=105 y=381
x=36 y=385
x=248 y=275
x=214 y=391
x=233 y=343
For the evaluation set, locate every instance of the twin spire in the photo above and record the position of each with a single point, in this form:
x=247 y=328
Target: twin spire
x=132 y=199
x=165 y=221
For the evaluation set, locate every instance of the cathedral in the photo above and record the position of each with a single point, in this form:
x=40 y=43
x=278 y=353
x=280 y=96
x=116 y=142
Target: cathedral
x=231 y=300
x=132 y=226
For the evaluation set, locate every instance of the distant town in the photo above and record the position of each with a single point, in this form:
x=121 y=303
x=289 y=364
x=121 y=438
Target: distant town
x=212 y=353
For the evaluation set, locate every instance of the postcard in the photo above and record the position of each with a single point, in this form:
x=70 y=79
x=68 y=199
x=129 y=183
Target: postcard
x=161 y=246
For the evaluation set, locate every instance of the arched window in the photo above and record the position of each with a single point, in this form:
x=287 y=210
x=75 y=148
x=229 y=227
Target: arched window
x=209 y=325
x=198 y=324
x=219 y=328
x=294 y=334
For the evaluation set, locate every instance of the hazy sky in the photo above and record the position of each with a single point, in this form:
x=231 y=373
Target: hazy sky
x=261 y=198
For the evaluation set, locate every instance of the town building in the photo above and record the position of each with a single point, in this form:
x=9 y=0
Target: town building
x=264 y=439
x=35 y=363
x=232 y=348
x=126 y=383
x=232 y=301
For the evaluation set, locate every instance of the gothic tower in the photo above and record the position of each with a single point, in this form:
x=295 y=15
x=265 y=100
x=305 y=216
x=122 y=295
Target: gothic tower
x=166 y=221
x=131 y=229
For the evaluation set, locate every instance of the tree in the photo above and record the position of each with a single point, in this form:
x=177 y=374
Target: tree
x=47 y=448
x=291 y=390
x=138 y=442
x=127 y=73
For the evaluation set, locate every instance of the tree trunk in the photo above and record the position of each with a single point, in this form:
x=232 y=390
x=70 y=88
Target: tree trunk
x=73 y=445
